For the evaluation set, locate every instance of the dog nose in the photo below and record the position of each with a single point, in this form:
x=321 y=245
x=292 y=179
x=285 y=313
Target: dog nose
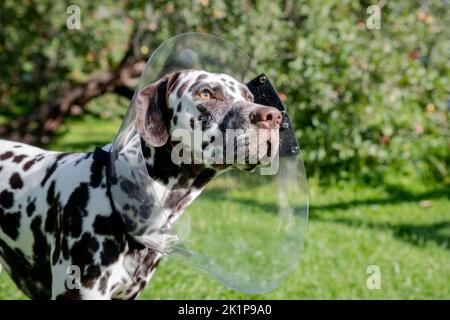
x=266 y=117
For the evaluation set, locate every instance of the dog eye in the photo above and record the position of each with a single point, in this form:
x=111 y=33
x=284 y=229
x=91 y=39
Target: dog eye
x=205 y=94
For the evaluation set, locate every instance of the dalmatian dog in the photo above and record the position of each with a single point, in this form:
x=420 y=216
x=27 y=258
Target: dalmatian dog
x=56 y=211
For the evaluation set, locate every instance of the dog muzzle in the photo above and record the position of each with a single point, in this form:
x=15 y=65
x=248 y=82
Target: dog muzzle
x=246 y=228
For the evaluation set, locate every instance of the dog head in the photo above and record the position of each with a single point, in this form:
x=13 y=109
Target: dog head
x=215 y=115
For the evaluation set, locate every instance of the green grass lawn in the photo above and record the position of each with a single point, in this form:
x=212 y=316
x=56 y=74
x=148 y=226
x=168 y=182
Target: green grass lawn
x=403 y=227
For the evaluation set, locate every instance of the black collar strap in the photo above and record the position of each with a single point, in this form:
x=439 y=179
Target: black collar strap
x=264 y=93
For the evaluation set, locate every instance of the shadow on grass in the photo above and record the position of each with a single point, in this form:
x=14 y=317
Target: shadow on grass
x=437 y=232
x=396 y=195
x=416 y=234
x=220 y=194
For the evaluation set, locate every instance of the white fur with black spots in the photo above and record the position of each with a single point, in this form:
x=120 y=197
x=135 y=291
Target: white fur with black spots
x=55 y=212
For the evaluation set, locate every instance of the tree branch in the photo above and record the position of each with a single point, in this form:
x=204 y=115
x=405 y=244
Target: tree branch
x=39 y=126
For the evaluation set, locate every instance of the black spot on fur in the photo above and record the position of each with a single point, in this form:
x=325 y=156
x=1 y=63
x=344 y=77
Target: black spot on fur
x=132 y=190
x=92 y=273
x=203 y=178
x=145 y=210
x=6 y=199
x=96 y=174
x=52 y=168
x=104 y=282
x=232 y=120
x=75 y=210
x=193 y=87
x=147 y=261
x=205 y=117
x=181 y=90
x=58 y=244
x=167 y=116
x=41 y=156
x=18 y=159
x=51 y=193
x=179 y=107
x=15 y=181
x=22 y=271
x=82 y=158
x=82 y=254
x=29 y=164
x=65 y=247
x=31 y=207
x=175 y=120
x=246 y=93
x=6 y=155
x=110 y=252
x=49 y=172
x=192 y=123
x=69 y=295
x=10 y=223
x=105 y=225
x=146 y=151
x=174 y=198
x=83 y=251
x=41 y=248
x=53 y=210
x=130 y=225
x=163 y=167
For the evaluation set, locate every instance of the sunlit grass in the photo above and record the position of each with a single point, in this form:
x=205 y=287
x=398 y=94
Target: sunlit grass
x=85 y=134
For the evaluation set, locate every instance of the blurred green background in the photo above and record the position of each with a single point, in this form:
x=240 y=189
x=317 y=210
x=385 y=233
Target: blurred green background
x=371 y=110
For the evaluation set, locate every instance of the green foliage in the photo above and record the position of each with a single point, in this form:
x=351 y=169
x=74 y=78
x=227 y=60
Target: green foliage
x=39 y=54
x=365 y=103
x=108 y=106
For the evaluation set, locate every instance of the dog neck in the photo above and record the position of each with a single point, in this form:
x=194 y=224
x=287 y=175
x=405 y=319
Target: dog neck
x=150 y=202
x=175 y=177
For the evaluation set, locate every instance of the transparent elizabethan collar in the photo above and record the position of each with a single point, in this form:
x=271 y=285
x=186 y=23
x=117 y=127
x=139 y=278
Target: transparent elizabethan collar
x=246 y=229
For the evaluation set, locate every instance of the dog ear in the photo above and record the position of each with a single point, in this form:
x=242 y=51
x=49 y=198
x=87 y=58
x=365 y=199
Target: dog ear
x=153 y=114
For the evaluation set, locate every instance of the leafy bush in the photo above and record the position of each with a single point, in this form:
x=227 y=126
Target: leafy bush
x=363 y=101
x=39 y=54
